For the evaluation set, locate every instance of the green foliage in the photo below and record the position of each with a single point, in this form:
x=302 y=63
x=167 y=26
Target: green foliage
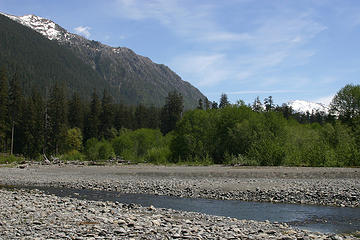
x=158 y=155
x=73 y=155
x=171 y=112
x=98 y=150
x=238 y=135
x=73 y=139
x=239 y=160
x=134 y=145
x=346 y=103
x=7 y=159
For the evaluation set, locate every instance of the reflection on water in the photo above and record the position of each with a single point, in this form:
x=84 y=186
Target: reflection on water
x=315 y=218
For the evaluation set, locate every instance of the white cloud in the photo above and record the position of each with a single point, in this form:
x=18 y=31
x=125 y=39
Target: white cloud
x=84 y=31
x=207 y=69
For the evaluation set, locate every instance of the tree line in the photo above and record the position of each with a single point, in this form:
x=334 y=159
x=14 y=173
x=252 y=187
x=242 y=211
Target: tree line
x=33 y=125
x=260 y=133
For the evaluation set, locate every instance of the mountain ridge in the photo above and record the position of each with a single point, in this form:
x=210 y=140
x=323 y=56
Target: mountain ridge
x=136 y=78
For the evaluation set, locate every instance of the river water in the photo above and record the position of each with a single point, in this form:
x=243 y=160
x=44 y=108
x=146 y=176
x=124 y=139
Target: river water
x=315 y=218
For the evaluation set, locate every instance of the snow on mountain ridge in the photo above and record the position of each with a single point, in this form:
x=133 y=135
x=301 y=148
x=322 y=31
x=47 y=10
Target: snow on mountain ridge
x=305 y=106
x=42 y=25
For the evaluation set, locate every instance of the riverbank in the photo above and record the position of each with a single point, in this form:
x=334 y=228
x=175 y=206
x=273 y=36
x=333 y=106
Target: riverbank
x=321 y=186
x=32 y=214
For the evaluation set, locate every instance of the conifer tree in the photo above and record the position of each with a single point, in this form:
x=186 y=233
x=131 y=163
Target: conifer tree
x=16 y=104
x=224 y=101
x=141 y=116
x=269 y=104
x=76 y=112
x=93 y=121
x=38 y=130
x=4 y=102
x=153 y=117
x=171 y=112
x=207 y=103
x=214 y=105
x=200 y=104
x=257 y=105
x=57 y=113
x=107 y=115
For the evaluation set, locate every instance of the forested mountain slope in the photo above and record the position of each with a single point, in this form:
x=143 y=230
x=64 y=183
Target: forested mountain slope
x=132 y=78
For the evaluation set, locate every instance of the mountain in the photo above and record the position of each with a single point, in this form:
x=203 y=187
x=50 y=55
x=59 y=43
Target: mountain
x=39 y=62
x=305 y=106
x=132 y=78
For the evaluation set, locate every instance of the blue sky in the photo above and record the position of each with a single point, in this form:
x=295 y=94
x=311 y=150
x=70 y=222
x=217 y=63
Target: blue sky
x=288 y=49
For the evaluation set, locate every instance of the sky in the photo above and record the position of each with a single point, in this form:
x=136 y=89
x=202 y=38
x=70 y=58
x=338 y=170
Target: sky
x=287 y=49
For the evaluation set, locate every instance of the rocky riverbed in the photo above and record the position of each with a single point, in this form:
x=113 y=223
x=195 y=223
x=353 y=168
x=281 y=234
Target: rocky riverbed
x=322 y=186
x=34 y=215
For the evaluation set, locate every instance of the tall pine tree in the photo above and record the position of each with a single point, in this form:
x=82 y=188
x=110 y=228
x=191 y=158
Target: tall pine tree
x=107 y=115
x=171 y=112
x=57 y=113
x=224 y=101
x=4 y=102
x=76 y=112
x=93 y=118
x=16 y=105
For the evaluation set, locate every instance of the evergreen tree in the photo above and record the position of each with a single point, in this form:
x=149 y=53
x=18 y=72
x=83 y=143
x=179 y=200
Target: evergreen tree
x=214 y=105
x=76 y=112
x=93 y=121
x=107 y=115
x=224 y=101
x=141 y=116
x=38 y=130
x=27 y=125
x=4 y=102
x=153 y=117
x=200 y=104
x=16 y=104
x=269 y=103
x=207 y=103
x=57 y=113
x=257 y=105
x=171 y=112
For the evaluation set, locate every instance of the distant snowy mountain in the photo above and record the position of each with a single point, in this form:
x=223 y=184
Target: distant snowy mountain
x=305 y=106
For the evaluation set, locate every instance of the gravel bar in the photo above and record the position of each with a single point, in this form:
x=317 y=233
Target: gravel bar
x=31 y=214
x=317 y=186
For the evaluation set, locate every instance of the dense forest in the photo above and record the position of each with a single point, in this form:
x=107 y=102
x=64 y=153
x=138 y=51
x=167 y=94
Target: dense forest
x=74 y=128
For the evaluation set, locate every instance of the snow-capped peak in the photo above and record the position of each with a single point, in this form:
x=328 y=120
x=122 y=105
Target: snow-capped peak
x=306 y=106
x=42 y=25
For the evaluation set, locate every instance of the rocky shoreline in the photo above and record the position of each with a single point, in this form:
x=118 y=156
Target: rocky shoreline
x=32 y=214
x=316 y=186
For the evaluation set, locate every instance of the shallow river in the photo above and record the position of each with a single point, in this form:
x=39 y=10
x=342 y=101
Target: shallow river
x=314 y=218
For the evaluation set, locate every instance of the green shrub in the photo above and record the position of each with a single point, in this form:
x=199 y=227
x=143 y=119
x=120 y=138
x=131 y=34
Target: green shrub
x=240 y=160
x=73 y=155
x=6 y=159
x=158 y=155
x=73 y=139
x=98 y=150
x=105 y=150
x=134 y=145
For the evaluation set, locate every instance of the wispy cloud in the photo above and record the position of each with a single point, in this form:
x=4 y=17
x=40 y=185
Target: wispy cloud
x=275 y=39
x=262 y=92
x=84 y=31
